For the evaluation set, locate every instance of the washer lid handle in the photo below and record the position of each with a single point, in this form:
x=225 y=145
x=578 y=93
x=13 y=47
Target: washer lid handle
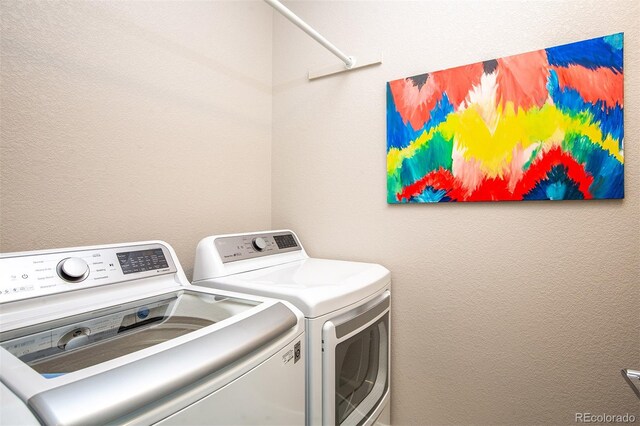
x=111 y=395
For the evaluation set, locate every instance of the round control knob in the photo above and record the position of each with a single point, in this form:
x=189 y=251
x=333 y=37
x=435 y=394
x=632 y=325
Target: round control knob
x=259 y=243
x=73 y=269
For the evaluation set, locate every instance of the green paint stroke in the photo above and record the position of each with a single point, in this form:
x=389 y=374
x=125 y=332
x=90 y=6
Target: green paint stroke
x=434 y=154
x=393 y=187
x=580 y=146
x=534 y=154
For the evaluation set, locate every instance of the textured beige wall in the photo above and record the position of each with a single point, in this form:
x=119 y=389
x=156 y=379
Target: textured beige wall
x=130 y=121
x=512 y=313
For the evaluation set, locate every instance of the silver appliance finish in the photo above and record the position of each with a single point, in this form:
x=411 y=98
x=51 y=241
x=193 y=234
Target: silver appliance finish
x=632 y=377
x=133 y=339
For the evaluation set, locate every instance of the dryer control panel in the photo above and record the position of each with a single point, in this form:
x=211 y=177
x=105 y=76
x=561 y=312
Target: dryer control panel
x=31 y=274
x=249 y=246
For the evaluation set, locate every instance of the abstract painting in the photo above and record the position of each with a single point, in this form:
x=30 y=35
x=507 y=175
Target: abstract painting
x=543 y=125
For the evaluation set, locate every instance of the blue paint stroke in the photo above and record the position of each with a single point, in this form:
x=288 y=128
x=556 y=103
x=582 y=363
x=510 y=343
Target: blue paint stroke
x=607 y=172
x=610 y=120
x=591 y=54
x=431 y=195
x=399 y=134
x=557 y=186
x=614 y=40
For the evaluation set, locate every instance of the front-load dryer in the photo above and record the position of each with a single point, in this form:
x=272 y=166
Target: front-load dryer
x=115 y=334
x=347 y=310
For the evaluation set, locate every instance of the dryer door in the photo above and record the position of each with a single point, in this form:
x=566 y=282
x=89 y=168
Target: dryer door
x=356 y=364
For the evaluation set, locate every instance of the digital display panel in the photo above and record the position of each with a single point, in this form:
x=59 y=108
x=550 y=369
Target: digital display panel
x=285 y=241
x=142 y=260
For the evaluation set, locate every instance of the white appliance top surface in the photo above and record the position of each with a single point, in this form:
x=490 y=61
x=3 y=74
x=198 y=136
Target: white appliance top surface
x=315 y=286
x=84 y=325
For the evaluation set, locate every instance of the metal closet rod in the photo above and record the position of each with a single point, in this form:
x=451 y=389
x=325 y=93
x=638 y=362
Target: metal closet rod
x=349 y=61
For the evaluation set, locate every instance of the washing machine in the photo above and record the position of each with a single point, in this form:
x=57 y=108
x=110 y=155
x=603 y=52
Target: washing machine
x=347 y=311
x=115 y=334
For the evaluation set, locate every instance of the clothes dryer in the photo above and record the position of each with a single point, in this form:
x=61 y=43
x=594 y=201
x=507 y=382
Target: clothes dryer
x=347 y=311
x=116 y=334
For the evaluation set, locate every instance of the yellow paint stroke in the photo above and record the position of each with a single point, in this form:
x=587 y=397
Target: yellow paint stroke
x=395 y=155
x=547 y=125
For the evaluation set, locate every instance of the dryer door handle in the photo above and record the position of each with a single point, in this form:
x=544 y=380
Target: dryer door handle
x=362 y=317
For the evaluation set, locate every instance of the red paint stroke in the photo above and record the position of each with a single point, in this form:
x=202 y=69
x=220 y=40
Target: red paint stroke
x=593 y=85
x=437 y=179
x=415 y=104
x=522 y=79
x=541 y=167
x=492 y=189
x=457 y=82
x=496 y=189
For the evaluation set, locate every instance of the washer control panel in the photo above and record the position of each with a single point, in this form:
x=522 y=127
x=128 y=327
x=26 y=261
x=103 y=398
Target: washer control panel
x=32 y=274
x=241 y=247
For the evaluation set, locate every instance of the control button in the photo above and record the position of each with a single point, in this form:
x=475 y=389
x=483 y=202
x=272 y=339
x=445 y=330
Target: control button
x=73 y=269
x=259 y=243
x=25 y=276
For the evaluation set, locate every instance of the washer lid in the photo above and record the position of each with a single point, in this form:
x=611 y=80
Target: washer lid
x=151 y=349
x=315 y=286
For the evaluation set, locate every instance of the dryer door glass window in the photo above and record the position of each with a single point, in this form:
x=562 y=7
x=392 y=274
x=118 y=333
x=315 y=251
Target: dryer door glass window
x=361 y=371
x=80 y=341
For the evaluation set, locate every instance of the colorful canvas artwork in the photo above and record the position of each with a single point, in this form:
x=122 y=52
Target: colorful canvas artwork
x=543 y=125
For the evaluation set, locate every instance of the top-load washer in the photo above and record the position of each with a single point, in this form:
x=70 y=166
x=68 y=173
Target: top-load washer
x=347 y=309
x=116 y=334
